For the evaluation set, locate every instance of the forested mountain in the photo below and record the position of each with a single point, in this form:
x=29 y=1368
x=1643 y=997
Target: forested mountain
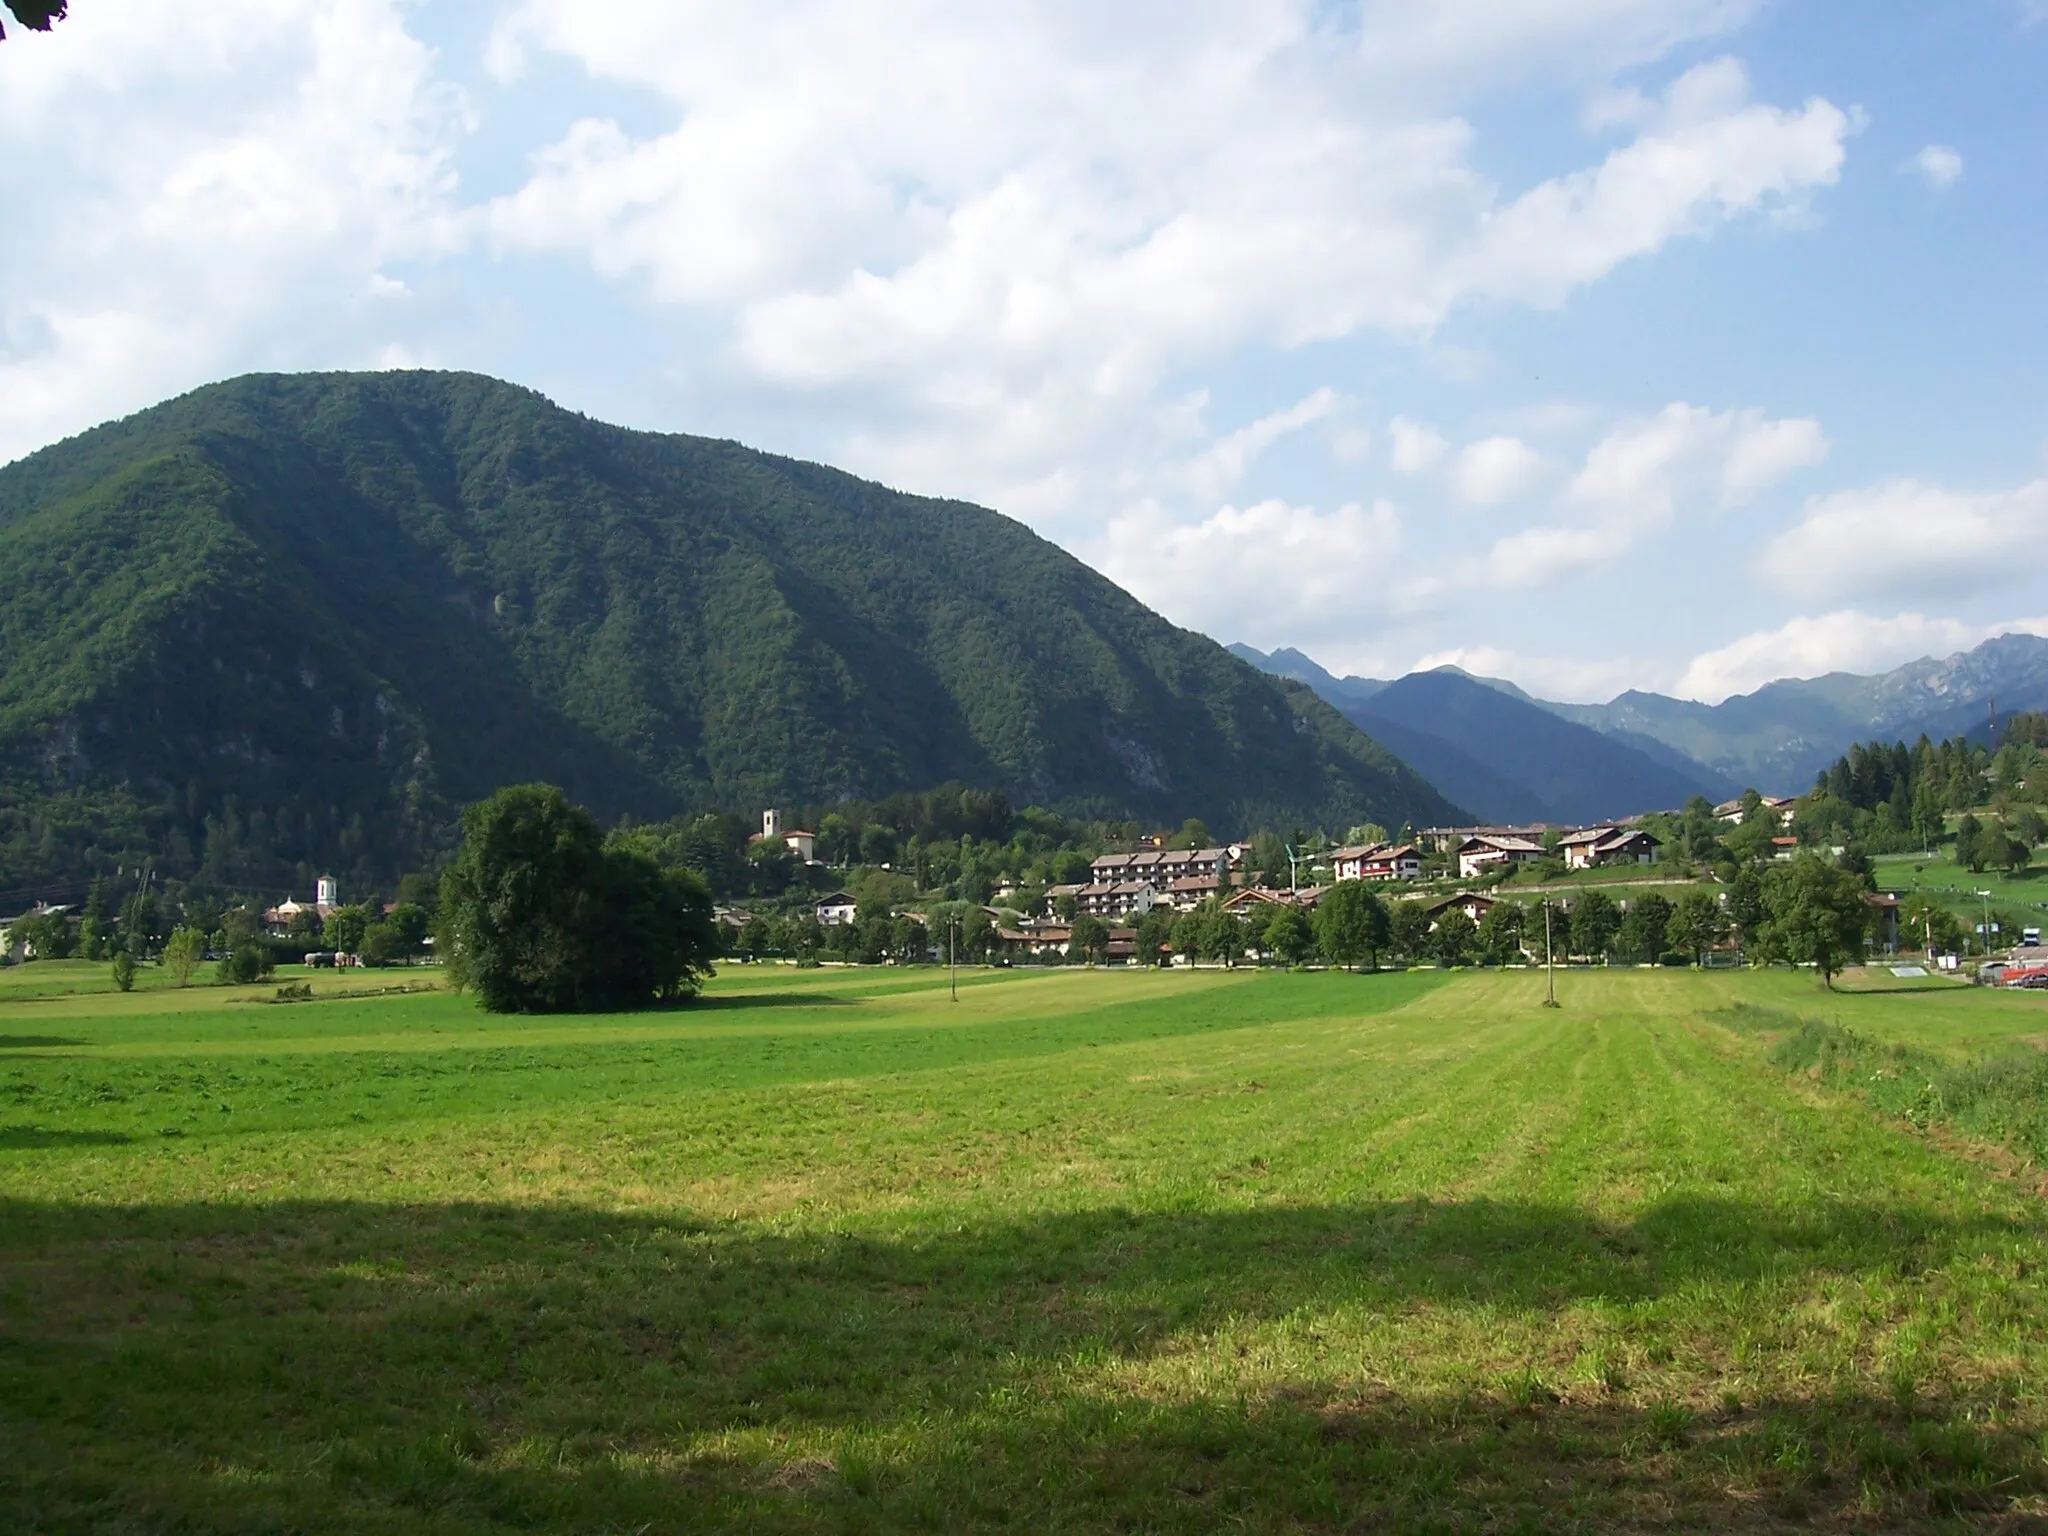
x=289 y=621
x=1508 y=757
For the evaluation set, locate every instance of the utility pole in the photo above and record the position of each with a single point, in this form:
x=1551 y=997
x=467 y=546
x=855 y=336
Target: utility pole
x=1549 y=960
x=953 y=956
x=1986 y=929
x=1293 y=879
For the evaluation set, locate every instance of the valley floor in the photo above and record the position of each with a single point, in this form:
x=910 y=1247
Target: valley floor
x=1085 y=1251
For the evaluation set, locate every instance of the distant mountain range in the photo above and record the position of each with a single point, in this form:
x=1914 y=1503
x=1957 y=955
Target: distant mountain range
x=1786 y=732
x=1651 y=750
x=294 y=621
x=1510 y=758
x=1501 y=761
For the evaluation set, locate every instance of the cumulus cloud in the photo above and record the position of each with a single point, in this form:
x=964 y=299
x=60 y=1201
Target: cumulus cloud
x=1496 y=469
x=1003 y=232
x=214 y=189
x=1907 y=538
x=1272 y=572
x=1941 y=166
x=1223 y=463
x=1843 y=641
x=1635 y=478
x=1416 y=448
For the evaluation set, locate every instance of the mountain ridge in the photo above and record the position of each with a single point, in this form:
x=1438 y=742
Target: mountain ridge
x=1486 y=744
x=297 y=618
x=1776 y=738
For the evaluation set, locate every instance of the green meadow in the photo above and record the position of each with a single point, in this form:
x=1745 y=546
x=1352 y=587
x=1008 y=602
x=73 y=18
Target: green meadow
x=1082 y=1250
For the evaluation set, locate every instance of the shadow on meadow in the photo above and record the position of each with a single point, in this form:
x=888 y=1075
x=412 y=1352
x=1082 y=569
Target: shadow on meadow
x=491 y=1366
x=36 y=1042
x=29 y=1138
x=724 y=1002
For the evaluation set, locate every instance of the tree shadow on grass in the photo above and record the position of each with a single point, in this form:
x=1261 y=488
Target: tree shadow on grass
x=363 y=1364
x=725 y=1002
x=36 y=1042
x=16 y=1138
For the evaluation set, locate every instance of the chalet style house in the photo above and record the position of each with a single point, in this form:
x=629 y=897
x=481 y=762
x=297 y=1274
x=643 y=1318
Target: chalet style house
x=837 y=908
x=1377 y=861
x=1608 y=845
x=1482 y=849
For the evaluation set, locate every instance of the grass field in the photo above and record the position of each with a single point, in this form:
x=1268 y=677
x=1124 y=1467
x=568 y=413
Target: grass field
x=2025 y=893
x=1090 y=1251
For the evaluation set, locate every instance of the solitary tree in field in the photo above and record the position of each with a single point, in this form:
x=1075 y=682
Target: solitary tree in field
x=182 y=953
x=1819 y=916
x=540 y=914
x=1970 y=852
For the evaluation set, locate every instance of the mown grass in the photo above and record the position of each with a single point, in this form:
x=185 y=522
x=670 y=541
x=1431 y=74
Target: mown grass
x=2024 y=893
x=1082 y=1251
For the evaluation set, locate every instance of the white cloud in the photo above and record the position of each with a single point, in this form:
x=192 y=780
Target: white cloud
x=1270 y=573
x=1416 y=448
x=1637 y=476
x=213 y=190
x=1705 y=161
x=1496 y=469
x=1639 y=471
x=1941 y=166
x=1223 y=463
x=1536 y=557
x=1907 y=538
x=995 y=238
x=1844 y=641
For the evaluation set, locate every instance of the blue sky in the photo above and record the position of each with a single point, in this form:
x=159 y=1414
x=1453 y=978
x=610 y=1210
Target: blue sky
x=1595 y=343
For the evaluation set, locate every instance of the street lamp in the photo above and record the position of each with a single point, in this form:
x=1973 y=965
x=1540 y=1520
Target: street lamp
x=1986 y=929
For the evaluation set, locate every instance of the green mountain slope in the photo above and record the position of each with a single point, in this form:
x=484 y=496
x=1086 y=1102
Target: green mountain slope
x=287 y=621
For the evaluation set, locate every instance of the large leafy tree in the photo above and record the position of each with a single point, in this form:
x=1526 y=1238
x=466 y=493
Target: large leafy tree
x=1408 y=929
x=1499 y=938
x=1090 y=939
x=1454 y=937
x=1288 y=934
x=1351 y=925
x=1696 y=925
x=1818 y=915
x=1641 y=936
x=1595 y=921
x=539 y=914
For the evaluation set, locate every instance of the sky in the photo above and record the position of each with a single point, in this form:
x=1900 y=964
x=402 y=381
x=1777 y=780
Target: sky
x=1596 y=344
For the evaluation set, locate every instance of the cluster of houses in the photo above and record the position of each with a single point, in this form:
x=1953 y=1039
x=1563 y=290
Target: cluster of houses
x=1479 y=849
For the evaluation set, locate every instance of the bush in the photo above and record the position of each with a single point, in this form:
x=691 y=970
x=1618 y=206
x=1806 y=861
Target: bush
x=124 y=970
x=244 y=964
